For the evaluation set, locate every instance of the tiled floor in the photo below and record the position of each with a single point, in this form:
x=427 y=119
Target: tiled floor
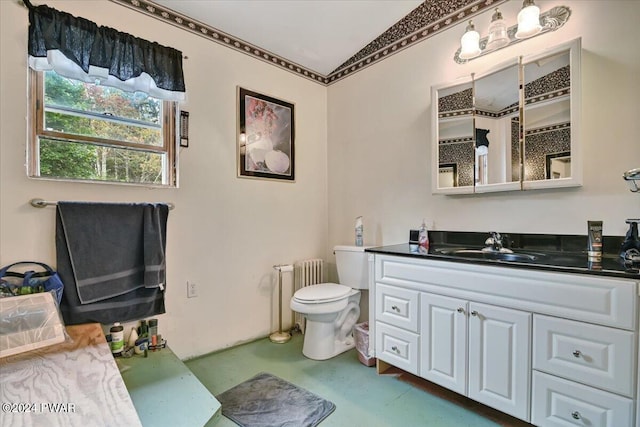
x=362 y=397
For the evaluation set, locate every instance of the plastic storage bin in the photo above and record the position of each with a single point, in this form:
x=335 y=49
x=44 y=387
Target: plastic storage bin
x=361 y=334
x=29 y=322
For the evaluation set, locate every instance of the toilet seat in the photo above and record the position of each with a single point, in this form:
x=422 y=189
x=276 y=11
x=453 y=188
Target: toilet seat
x=322 y=293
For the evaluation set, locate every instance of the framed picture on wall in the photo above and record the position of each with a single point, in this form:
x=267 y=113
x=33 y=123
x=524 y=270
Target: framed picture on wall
x=265 y=137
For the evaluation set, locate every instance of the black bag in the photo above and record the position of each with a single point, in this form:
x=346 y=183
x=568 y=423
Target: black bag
x=30 y=282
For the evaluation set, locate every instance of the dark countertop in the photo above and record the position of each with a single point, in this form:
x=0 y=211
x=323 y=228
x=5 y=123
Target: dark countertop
x=560 y=256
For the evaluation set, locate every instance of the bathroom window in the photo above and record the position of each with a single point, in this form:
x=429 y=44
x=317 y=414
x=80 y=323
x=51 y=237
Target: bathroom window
x=90 y=132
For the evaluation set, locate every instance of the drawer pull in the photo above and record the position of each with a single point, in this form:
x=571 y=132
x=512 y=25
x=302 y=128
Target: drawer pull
x=474 y=313
x=460 y=310
x=395 y=308
x=396 y=349
x=577 y=353
x=575 y=415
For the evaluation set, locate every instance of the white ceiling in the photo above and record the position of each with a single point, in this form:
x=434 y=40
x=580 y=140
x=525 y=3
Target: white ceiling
x=317 y=34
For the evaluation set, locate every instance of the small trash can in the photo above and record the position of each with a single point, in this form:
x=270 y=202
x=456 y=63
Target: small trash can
x=361 y=334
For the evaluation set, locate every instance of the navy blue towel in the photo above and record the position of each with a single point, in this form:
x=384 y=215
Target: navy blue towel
x=111 y=258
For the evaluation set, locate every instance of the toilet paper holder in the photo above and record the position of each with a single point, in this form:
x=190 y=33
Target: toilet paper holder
x=279 y=336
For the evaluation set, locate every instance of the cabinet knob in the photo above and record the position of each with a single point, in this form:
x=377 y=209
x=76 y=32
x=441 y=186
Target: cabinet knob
x=460 y=310
x=396 y=349
x=577 y=353
x=474 y=313
x=575 y=415
x=395 y=308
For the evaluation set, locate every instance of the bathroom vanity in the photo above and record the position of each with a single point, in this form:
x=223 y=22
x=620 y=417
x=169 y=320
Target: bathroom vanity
x=549 y=342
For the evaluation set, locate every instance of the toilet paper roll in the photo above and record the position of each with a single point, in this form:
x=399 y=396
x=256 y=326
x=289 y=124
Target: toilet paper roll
x=284 y=268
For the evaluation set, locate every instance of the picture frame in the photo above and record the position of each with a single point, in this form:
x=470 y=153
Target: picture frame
x=265 y=136
x=558 y=165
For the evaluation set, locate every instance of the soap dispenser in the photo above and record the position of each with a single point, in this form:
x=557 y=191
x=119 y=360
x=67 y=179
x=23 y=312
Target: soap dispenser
x=423 y=237
x=359 y=232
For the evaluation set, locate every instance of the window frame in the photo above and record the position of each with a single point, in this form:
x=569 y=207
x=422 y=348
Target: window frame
x=35 y=122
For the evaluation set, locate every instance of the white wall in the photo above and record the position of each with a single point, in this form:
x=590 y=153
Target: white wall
x=226 y=233
x=380 y=135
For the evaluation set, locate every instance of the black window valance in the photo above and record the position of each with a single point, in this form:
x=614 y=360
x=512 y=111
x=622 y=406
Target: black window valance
x=481 y=137
x=78 y=48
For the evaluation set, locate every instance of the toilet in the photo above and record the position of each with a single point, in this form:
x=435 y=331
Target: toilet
x=333 y=309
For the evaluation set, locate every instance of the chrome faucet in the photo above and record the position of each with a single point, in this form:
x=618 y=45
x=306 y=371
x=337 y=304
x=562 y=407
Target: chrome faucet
x=495 y=243
x=633 y=177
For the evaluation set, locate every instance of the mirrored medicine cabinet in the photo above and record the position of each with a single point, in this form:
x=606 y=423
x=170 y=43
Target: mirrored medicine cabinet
x=514 y=127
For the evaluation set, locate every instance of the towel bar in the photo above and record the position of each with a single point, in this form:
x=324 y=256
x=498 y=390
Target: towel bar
x=40 y=203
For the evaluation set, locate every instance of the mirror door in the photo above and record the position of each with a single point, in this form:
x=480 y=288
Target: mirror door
x=496 y=120
x=551 y=108
x=454 y=133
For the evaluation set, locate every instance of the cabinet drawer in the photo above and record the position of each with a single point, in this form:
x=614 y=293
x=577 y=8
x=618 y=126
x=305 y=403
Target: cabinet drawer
x=397 y=306
x=397 y=347
x=591 y=354
x=558 y=402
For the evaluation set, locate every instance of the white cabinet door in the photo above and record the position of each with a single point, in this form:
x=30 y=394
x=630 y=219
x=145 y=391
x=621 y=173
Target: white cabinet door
x=499 y=358
x=443 y=346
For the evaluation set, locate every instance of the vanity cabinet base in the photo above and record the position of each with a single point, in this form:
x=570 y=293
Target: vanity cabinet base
x=550 y=348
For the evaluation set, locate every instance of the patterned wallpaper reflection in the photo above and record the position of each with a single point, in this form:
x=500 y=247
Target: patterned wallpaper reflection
x=462 y=154
x=459 y=101
x=541 y=142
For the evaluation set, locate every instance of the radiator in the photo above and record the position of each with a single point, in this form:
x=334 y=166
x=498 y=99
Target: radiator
x=307 y=272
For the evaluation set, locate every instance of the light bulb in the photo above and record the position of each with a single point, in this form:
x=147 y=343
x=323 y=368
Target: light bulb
x=470 y=43
x=497 y=32
x=528 y=20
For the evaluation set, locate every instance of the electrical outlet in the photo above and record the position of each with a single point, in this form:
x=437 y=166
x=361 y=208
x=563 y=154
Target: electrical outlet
x=192 y=291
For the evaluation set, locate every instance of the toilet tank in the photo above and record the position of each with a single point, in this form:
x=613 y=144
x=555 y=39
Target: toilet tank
x=353 y=267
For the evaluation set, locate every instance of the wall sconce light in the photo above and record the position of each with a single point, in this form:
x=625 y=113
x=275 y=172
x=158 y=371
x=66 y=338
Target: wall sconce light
x=530 y=24
x=470 y=42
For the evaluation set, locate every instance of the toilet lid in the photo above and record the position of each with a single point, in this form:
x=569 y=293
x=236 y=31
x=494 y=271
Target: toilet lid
x=322 y=292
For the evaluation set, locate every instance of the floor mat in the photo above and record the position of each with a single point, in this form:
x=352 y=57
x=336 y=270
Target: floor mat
x=268 y=401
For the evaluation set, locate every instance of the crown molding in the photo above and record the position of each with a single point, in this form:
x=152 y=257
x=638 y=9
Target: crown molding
x=427 y=18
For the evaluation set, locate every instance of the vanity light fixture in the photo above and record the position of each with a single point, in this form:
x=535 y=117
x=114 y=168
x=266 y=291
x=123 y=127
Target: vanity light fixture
x=482 y=150
x=528 y=20
x=470 y=42
x=497 y=32
x=530 y=24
